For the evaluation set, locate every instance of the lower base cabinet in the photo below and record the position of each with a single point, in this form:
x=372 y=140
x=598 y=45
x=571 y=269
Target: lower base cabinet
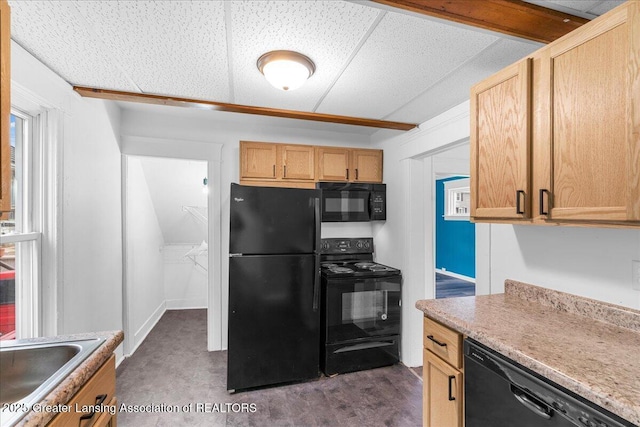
x=442 y=393
x=95 y=404
x=442 y=376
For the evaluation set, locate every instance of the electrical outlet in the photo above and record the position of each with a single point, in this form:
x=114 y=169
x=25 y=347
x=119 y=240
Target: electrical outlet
x=635 y=276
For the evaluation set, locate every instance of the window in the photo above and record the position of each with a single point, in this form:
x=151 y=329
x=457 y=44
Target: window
x=457 y=199
x=20 y=239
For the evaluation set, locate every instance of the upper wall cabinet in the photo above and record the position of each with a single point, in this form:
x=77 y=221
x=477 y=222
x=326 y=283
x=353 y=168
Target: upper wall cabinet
x=258 y=160
x=500 y=144
x=292 y=165
x=589 y=122
x=265 y=161
x=333 y=163
x=349 y=164
x=366 y=165
x=582 y=160
x=298 y=162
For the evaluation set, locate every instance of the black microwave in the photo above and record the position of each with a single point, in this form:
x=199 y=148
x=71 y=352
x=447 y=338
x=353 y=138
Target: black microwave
x=352 y=201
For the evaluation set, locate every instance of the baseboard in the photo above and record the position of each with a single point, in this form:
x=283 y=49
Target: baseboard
x=456 y=275
x=185 y=304
x=144 y=330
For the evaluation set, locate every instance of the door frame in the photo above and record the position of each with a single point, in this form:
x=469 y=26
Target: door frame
x=209 y=152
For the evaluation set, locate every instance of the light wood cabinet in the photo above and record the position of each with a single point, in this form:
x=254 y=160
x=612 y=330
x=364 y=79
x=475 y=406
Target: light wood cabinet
x=499 y=144
x=442 y=376
x=293 y=165
x=591 y=92
x=258 y=160
x=298 y=162
x=366 y=165
x=5 y=109
x=97 y=393
x=583 y=159
x=266 y=161
x=333 y=163
x=349 y=164
x=442 y=393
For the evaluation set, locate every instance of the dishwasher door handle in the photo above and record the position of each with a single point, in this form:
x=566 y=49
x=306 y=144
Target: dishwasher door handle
x=531 y=403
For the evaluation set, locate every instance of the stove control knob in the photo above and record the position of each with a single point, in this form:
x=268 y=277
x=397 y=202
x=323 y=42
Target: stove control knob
x=325 y=245
x=384 y=316
x=359 y=244
x=367 y=245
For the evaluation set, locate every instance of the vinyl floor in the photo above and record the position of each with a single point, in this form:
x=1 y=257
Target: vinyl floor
x=449 y=287
x=172 y=380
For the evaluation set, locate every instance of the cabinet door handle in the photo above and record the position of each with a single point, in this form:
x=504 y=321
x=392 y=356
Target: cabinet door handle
x=274 y=171
x=441 y=344
x=356 y=173
x=519 y=210
x=542 y=193
x=285 y=171
x=347 y=173
x=99 y=401
x=451 y=378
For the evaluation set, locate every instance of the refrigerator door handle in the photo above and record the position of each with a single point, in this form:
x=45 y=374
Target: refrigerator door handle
x=316 y=278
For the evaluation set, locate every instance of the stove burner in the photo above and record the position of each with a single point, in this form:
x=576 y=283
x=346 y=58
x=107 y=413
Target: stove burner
x=338 y=269
x=372 y=266
x=365 y=264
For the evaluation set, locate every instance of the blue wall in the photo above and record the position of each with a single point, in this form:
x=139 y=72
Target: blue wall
x=455 y=240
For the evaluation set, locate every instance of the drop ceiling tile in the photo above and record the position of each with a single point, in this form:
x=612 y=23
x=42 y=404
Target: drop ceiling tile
x=585 y=8
x=579 y=5
x=326 y=31
x=604 y=6
x=404 y=56
x=53 y=32
x=166 y=47
x=455 y=87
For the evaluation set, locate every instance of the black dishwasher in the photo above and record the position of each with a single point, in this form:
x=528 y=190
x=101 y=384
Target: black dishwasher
x=501 y=393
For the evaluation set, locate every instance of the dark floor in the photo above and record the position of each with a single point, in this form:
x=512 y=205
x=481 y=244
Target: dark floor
x=449 y=287
x=173 y=367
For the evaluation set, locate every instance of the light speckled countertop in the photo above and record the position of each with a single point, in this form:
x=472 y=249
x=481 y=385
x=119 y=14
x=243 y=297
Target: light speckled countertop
x=589 y=347
x=62 y=393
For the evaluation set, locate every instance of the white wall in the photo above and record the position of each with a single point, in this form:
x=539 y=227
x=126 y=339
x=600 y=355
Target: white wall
x=145 y=263
x=591 y=262
x=86 y=257
x=185 y=282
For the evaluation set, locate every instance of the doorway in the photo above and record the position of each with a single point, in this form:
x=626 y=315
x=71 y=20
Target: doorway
x=166 y=241
x=453 y=233
x=454 y=238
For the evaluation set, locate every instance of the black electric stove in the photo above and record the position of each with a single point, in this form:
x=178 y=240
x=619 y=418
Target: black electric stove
x=361 y=307
x=351 y=257
x=359 y=268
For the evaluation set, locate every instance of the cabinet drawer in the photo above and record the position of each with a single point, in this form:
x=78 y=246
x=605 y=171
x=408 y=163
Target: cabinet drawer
x=443 y=341
x=106 y=419
x=99 y=390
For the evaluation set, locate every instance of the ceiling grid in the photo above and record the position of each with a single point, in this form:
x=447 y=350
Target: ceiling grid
x=382 y=64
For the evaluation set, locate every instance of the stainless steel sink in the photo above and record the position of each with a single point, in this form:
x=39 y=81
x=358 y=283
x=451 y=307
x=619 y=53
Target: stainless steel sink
x=28 y=372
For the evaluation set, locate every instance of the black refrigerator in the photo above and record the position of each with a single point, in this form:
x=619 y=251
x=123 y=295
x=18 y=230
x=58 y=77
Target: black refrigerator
x=274 y=316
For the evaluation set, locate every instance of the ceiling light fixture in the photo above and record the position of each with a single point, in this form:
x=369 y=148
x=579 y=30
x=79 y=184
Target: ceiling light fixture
x=285 y=69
